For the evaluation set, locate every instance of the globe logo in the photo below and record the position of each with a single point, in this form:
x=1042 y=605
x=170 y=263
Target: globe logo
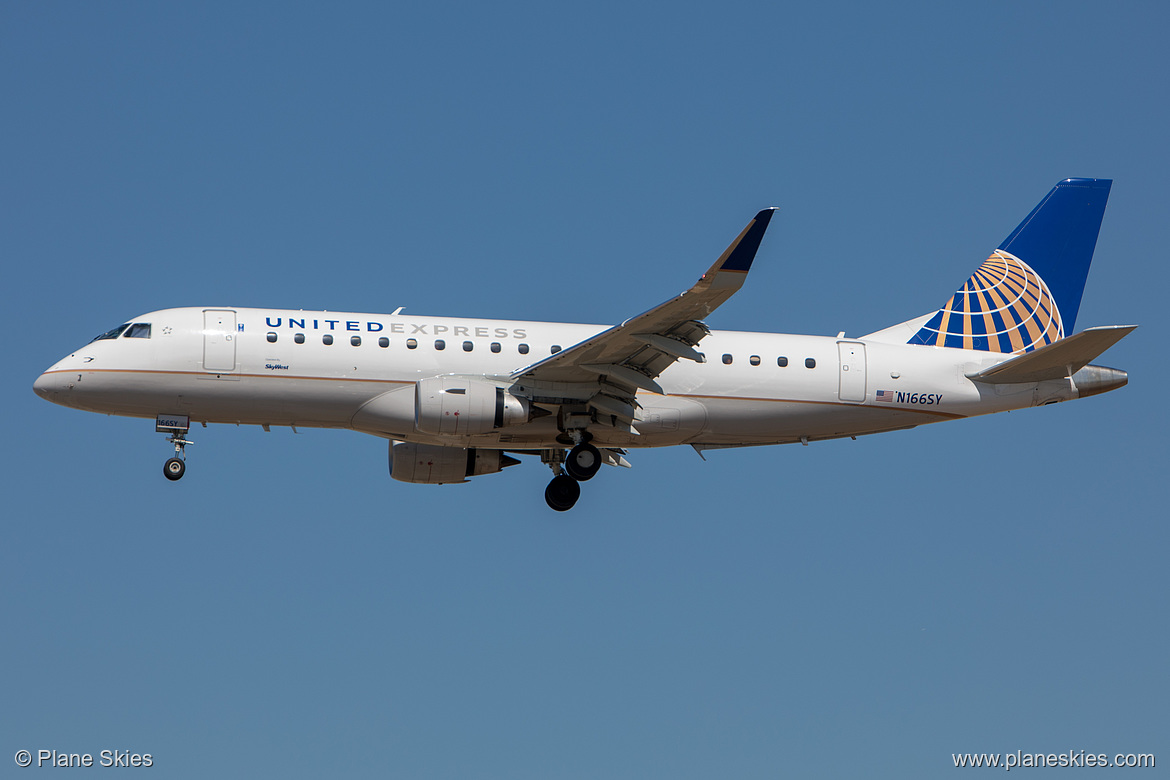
x=1003 y=307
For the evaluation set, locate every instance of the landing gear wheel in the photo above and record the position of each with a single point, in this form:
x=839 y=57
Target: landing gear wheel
x=583 y=462
x=562 y=493
x=174 y=469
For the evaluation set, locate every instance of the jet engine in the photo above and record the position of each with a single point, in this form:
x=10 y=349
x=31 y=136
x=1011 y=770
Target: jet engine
x=461 y=406
x=435 y=465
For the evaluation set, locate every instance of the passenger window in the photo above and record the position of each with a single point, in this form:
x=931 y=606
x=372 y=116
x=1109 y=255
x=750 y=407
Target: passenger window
x=299 y=338
x=326 y=339
x=495 y=346
x=727 y=360
x=523 y=349
x=440 y=344
x=271 y=337
x=754 y=360
x=139 y=330
x=782 y=362
x=556 y=348
x=383 y=342
x=411 y=343
x=355 y=340
x=810 y=363
x=468 y=346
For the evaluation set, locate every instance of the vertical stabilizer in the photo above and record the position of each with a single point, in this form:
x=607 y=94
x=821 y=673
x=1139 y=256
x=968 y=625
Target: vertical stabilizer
x=1028 y=292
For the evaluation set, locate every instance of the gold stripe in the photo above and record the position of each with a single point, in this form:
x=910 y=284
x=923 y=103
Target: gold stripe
x=986 y=281
x=1015 y=286
x=225 y=373
x=401 y=382
x=942 y=327
x=1053 y=332
x=1033 y=292
x=968 y=342
x=1033 y=328
x=998 y=262
x=996 y=300
x=989 y=323
x=1016 y=339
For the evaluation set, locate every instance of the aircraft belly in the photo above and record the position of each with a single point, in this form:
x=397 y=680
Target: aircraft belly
x=761 y=421
x=206 y=398
x=280 y=400
x=130 y=393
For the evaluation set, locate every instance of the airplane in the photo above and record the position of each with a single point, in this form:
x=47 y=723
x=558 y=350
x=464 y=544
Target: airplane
x=460 y=397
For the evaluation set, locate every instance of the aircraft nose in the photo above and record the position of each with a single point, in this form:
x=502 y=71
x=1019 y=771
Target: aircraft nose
x=52 y=385
x=45 y=386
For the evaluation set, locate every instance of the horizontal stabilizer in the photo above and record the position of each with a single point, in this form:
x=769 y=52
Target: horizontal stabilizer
x=1057 y=360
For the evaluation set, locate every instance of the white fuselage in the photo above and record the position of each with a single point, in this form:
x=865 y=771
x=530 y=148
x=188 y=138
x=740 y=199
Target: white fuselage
x=275 y=367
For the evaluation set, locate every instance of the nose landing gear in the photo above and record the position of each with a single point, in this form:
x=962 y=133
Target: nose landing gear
x=174 y=468
x=177 y=426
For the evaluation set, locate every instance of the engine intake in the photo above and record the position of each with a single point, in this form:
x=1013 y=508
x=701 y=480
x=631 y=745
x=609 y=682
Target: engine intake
x=434 y=465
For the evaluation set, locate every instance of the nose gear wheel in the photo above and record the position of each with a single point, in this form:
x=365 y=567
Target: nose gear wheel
x=174 y=468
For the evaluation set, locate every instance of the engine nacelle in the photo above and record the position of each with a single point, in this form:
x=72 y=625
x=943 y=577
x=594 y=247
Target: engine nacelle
x=462 y=406
x=435 y=465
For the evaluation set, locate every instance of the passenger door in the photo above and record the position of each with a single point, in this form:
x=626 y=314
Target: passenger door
x=219 y=340
x=852 y=386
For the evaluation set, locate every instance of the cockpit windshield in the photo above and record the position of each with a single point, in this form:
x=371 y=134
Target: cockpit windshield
x=112 y=334
x=138 y=330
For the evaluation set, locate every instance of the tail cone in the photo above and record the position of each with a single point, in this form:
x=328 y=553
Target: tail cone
x=1094 y=380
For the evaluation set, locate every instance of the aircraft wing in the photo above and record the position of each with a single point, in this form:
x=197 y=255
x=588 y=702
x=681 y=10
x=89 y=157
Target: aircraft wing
x=632 y=355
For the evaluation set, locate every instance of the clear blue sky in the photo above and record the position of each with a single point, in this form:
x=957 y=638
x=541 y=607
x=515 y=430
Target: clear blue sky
x=846 y=609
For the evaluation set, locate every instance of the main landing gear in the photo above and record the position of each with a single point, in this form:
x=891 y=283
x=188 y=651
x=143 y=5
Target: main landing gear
x=562 y=492
x=580 y=465
x=583 y=462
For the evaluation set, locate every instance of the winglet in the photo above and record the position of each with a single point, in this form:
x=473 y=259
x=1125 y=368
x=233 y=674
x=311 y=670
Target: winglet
x=739 y=256
x=637 y=351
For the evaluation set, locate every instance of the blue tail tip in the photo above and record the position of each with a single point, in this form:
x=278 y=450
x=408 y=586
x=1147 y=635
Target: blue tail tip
x=1100 y=184
x=1028 y=293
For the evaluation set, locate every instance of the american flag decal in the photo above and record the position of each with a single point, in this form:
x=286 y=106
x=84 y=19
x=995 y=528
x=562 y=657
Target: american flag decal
x=885 y=396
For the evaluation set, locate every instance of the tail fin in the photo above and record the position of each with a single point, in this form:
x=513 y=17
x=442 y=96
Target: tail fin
x=1028 y=292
